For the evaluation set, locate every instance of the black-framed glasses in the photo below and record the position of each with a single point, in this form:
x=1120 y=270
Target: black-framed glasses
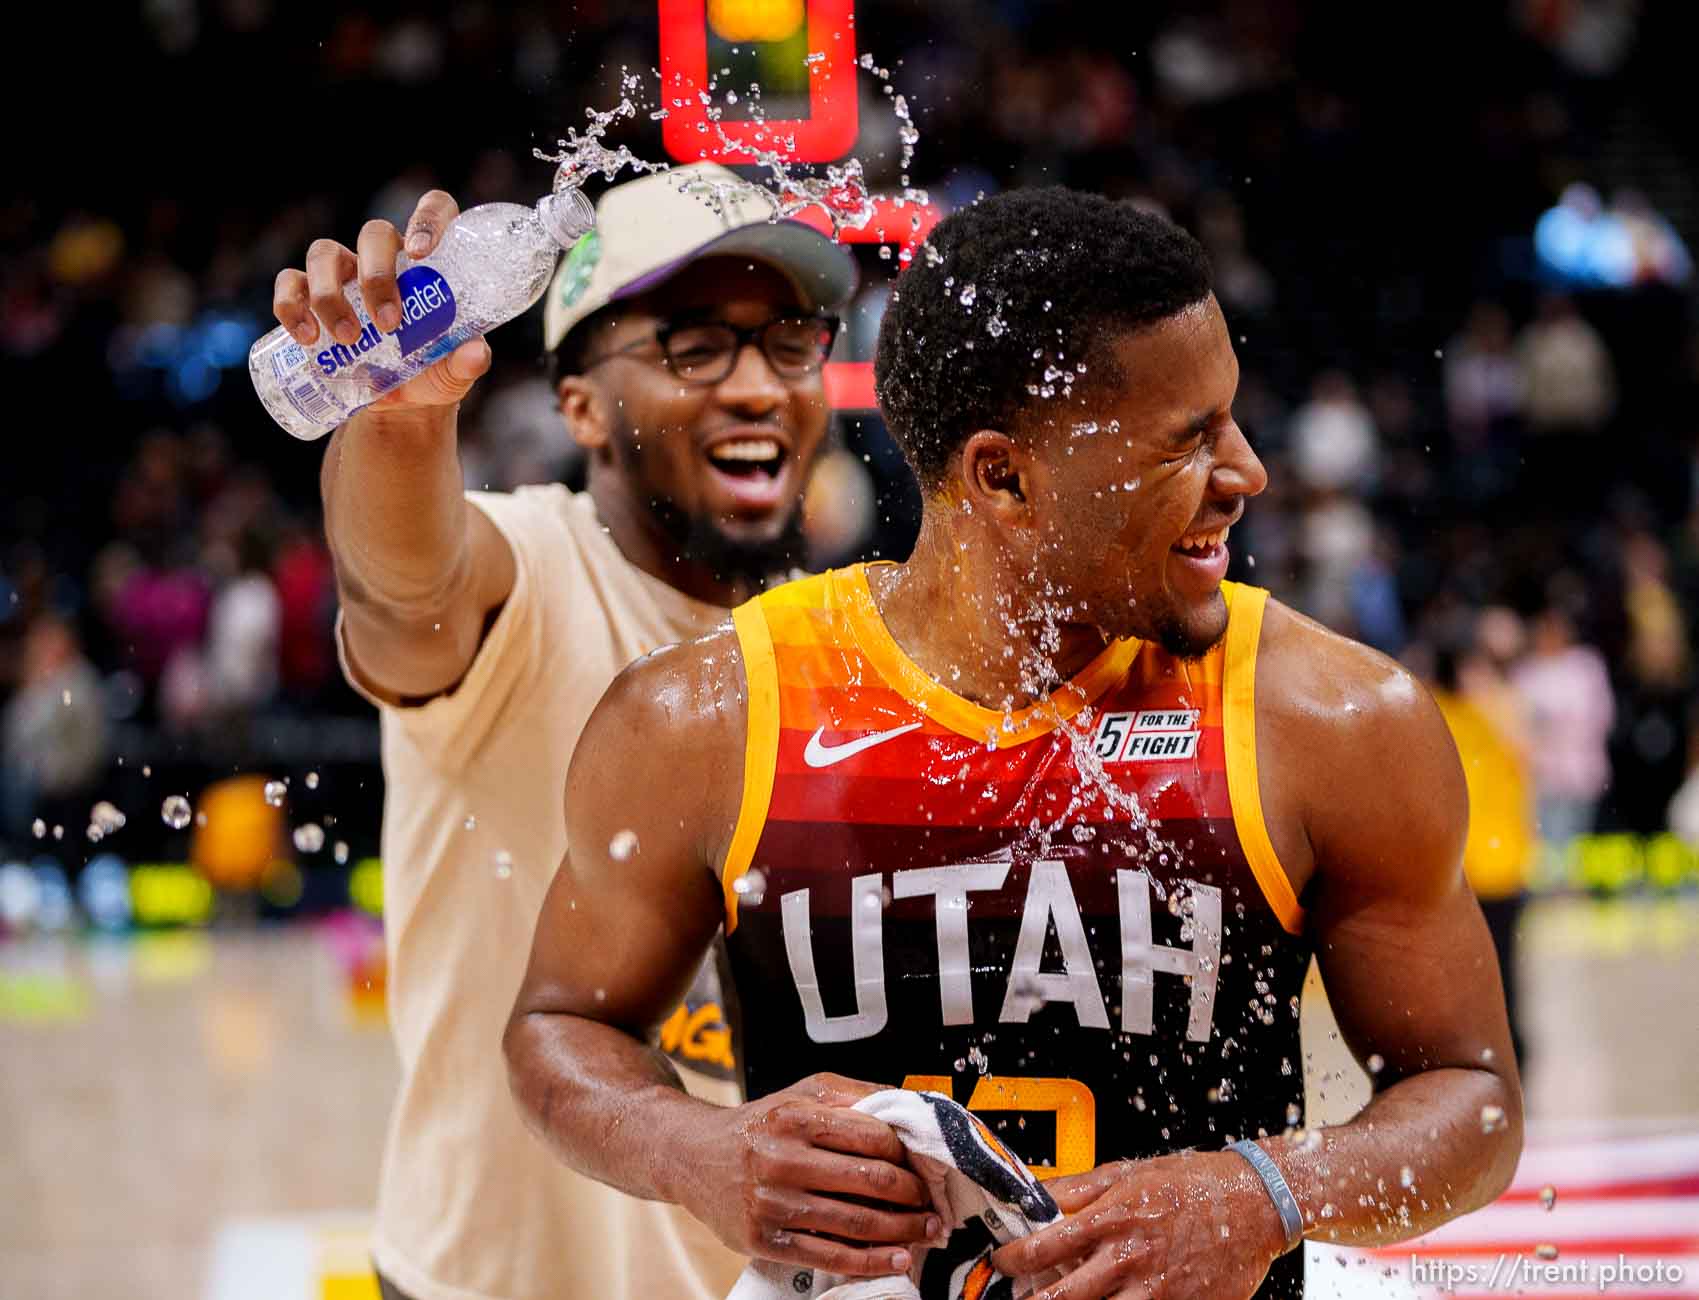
x=705 y=352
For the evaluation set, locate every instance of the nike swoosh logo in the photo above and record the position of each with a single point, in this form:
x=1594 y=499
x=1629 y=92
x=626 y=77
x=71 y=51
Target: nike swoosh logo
x=819 y=755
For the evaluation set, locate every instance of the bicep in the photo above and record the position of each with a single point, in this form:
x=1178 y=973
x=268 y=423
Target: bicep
x=634 y=906
x=1413 y=981
x=1404 y=952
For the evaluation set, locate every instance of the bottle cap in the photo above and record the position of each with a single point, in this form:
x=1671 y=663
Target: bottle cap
x=566 y=215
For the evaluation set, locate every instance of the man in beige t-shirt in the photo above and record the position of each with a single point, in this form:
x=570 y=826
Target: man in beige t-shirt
x=689 y=332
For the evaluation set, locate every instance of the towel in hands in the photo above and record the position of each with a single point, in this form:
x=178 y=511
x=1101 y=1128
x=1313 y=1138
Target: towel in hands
x=984 y=1196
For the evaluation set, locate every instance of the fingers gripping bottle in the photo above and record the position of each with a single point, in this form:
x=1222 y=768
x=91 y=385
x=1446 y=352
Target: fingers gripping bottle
x=493 y=262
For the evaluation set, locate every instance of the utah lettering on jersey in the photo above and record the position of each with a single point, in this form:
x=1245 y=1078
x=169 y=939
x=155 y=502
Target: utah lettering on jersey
x=1047 y=907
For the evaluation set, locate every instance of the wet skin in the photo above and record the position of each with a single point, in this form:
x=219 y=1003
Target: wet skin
x=1025 y=547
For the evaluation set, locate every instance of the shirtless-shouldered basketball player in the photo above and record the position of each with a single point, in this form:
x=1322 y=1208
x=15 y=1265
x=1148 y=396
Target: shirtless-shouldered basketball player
x=1049 y=817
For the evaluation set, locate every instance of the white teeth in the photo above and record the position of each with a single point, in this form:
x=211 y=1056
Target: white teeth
x=752 y=449
x=1204 y=541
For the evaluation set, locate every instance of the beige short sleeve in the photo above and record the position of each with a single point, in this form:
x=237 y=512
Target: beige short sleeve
x=452 y=727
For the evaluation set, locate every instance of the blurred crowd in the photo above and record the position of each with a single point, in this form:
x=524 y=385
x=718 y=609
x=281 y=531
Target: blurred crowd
x=1477 y=466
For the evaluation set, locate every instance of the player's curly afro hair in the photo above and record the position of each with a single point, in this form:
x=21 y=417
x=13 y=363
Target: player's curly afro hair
x=1006 y=302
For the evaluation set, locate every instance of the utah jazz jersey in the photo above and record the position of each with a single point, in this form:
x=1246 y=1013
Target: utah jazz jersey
x=1070 y=917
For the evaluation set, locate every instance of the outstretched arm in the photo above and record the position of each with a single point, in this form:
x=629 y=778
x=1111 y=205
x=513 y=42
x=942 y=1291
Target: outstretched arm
x=651 y=803
x=419 y=571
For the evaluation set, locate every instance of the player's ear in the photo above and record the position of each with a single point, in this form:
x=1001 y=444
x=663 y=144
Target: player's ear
x=584 y=408
x=993 y=474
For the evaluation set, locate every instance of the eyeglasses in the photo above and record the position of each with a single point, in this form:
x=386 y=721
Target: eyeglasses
x=706 y=352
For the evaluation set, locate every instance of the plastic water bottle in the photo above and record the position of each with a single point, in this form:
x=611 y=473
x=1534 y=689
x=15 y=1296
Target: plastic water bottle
x=492 y=263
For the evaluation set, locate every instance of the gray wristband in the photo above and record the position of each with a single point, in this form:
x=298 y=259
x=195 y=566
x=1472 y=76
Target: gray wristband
x=1278 y=1191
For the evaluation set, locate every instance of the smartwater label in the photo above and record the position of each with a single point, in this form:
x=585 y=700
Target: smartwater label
x=427 y=313
x=427 y=307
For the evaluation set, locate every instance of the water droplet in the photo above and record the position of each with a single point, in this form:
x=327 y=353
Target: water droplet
x=65 y=698
x=1545 y=1250
x=312 y=779
x=175 y=812
x=1492 y=1118
x=751 y=886
x=1376 y=1063
x=968 y=294
x=1548 y=1196
x=274 y=792
x=504 y=864
x=818 y=56
x=147 y=769
x=340 y=852
x=38 y=827
x=623 y=845
x=106 y=817
x=1293 y=1114
x=471 y=822
x=309 y=837
x=1407 y=1177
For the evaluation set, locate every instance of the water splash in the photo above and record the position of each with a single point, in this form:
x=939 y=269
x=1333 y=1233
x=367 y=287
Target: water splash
x=840 y=190
x=579 y=157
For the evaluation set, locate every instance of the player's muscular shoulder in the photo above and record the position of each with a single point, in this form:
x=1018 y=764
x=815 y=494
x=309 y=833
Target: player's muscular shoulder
x=667 y=741
x=1359 y=773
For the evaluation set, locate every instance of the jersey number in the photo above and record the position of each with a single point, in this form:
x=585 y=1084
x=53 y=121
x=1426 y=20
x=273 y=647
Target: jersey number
x=1068 y=1099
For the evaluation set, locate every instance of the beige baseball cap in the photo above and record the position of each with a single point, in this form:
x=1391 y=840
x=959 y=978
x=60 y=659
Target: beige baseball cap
x=649 y=228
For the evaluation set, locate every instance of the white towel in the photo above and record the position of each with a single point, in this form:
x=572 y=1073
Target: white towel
x=984 y=1196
